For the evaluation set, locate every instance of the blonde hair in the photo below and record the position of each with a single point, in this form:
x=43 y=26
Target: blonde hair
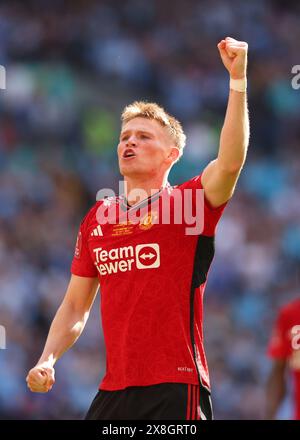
x=151 y=110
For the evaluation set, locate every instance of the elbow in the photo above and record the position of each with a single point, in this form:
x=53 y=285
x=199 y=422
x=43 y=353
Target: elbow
x=233 y=168
x=236 y=168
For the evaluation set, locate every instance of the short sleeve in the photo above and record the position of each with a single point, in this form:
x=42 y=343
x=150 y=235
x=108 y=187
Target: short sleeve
x=82 y=264
x=211 y=215
x=279 y=346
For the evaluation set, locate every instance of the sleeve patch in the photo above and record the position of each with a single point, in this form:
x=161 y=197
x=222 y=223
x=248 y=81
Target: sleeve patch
x=78 y=246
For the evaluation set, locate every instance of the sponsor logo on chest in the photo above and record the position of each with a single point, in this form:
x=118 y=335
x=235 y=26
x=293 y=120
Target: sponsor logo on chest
x=123 y=259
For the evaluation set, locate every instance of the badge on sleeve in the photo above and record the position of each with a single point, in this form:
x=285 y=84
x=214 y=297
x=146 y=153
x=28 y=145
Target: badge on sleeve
x=78 y=246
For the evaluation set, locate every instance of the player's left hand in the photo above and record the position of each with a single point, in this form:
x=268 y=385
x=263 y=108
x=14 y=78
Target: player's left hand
x=234 y=57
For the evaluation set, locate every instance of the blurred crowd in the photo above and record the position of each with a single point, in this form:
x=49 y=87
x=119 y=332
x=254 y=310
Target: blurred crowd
x=71 y=66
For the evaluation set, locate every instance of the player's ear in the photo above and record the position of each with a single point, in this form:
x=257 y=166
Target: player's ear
x=174 y=154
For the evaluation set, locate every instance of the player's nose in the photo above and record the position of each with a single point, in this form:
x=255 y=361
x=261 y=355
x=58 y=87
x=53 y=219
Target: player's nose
x=131 y=142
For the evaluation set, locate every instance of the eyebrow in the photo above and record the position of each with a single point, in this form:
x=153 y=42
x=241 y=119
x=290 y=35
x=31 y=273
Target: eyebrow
x=138 y=131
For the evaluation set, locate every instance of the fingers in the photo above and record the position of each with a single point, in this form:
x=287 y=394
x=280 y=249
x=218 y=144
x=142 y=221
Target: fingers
x=234 y=41
x=39 y=387
x=232 y=47
x=40 y=379
x=234 y=56
x=222 y=44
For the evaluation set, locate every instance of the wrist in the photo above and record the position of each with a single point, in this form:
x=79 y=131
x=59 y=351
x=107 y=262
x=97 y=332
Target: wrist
x=239 y=85
x=47 y=360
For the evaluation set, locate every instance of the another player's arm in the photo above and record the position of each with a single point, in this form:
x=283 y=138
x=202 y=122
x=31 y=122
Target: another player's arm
x=276 y=388
x=66 y=327
x=220 y=176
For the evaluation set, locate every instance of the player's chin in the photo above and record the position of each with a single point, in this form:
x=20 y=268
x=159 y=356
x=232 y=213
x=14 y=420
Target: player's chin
x=128 y=169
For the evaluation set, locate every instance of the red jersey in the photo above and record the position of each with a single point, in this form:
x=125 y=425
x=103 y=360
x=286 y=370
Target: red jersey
x=285 y=344
x=152 y=278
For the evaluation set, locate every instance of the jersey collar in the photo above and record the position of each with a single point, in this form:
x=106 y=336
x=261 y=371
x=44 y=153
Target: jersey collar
x=125 y=205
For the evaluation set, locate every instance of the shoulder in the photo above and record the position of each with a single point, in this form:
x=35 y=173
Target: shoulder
x=96 y=210
x=291 y=308
x=194 y=182
x=90 y=213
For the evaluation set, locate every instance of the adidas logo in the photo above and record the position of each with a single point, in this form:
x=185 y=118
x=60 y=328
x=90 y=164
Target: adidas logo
x=97 y=232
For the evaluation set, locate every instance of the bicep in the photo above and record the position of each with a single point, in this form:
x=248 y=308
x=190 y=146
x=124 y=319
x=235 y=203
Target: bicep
x=81 y=293
x=218 y=184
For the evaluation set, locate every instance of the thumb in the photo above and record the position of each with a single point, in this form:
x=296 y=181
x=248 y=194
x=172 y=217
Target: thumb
x=47 y=377
x=223 y=51
x=221 y=45
x=43 y=375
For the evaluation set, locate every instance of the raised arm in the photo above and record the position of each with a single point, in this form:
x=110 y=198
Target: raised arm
x=66 y=327
x=220 y=176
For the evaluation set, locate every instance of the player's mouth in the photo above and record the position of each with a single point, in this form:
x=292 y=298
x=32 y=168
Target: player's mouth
x=129 y=153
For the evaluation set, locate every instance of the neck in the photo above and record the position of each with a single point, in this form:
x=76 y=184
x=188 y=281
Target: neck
x=139 y=188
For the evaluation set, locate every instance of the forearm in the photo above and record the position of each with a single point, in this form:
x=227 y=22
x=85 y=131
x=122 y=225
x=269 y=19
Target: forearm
x=65 y=329
x=272 y=406
x=234 y=137
x=275 y=390
x=275 y=397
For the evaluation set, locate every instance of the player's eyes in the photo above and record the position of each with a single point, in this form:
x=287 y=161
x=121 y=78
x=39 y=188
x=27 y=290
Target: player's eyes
x=142 y=136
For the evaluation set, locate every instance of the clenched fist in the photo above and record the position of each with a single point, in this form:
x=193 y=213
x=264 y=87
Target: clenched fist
x=234 y=57
x=40 y=379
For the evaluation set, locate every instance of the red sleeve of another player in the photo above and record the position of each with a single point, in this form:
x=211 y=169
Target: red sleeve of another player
x=280 y=344
x=211 y=215
x=82 y=264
